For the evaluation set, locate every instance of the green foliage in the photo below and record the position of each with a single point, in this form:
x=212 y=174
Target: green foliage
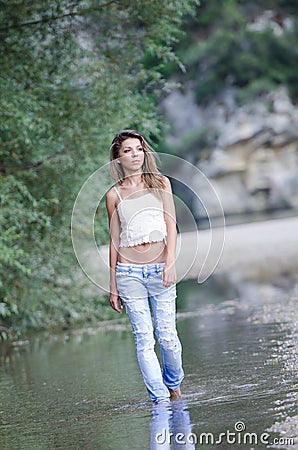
x=255 y=88
x=228 y=53
x=202 y=141
x=198 y=143
x=72 y=75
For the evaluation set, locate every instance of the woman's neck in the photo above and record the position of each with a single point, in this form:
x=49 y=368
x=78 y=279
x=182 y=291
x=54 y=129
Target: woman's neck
x=135 y=180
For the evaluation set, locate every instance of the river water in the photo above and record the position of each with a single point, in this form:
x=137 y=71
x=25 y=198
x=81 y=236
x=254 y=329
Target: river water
x=82 y=389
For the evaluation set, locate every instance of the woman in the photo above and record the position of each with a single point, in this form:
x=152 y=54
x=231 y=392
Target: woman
x=142 y=223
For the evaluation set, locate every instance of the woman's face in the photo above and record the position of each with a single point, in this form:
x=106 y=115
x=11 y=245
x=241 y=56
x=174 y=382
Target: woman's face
x=131 y=155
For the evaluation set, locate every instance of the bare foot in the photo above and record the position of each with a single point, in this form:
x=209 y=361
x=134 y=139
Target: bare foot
x=175 y=394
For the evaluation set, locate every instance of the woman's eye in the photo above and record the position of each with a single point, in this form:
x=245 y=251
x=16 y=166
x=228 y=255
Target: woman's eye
x=138 y=149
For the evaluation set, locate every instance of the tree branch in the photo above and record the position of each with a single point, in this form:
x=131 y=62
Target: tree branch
x=7 y=170
x=55 y=18
x=40 y=21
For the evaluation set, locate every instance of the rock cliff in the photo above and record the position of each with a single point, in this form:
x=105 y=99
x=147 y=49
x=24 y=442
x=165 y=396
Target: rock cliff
x=249 y=152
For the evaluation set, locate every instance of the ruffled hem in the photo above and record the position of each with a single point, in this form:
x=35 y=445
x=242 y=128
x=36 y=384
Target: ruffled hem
x=142 y=241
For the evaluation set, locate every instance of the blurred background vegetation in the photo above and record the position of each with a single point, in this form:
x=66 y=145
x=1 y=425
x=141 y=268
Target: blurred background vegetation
x=75 y=72
x=221 y=50
x=72 y=75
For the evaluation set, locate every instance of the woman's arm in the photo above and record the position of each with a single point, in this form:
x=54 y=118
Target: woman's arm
x=169 y=273
x=114 y=225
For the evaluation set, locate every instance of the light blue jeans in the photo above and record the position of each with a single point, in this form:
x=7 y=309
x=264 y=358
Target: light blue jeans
x=135 y=283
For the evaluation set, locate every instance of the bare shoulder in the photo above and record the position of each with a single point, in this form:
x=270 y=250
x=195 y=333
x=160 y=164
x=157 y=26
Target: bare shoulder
x=167 y=183
x=111 y=197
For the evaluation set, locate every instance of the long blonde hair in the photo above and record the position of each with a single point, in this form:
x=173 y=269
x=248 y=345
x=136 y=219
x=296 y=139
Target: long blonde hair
x=151 y=176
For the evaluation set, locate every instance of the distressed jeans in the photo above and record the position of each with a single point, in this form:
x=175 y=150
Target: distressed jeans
x=136 y=283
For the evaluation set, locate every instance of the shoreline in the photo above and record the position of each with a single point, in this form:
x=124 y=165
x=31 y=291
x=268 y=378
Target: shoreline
x=256 y=251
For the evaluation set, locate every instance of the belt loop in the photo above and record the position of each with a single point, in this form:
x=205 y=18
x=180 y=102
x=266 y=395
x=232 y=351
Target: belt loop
x=144 y=270
x=130 y=269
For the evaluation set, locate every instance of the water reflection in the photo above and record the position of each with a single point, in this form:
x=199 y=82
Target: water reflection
x=83 y=389
x=170 y=427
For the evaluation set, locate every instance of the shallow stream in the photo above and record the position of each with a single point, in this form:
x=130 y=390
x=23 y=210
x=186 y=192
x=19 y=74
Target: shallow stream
x=82 y=389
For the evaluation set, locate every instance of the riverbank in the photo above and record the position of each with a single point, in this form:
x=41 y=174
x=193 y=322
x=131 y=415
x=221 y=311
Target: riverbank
x=257 y=251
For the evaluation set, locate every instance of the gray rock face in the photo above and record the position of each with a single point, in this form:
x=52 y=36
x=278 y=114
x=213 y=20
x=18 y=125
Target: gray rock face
x=254 y=162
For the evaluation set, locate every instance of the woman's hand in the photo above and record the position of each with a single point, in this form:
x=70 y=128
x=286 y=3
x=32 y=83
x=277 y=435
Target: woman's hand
x=116 y=303
x=169 y=276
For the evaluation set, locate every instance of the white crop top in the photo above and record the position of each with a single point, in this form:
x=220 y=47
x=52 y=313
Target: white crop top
x=142 y=220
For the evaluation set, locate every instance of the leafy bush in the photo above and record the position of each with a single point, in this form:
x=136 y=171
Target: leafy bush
x=71 y=76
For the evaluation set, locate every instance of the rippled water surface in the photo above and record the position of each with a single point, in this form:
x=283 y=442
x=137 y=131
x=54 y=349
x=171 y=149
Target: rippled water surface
x=83 y=389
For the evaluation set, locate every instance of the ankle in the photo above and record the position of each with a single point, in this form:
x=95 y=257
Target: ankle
x=175 y=393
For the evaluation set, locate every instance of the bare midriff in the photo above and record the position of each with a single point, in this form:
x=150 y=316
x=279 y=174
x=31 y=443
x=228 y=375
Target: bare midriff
x=147 y=253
